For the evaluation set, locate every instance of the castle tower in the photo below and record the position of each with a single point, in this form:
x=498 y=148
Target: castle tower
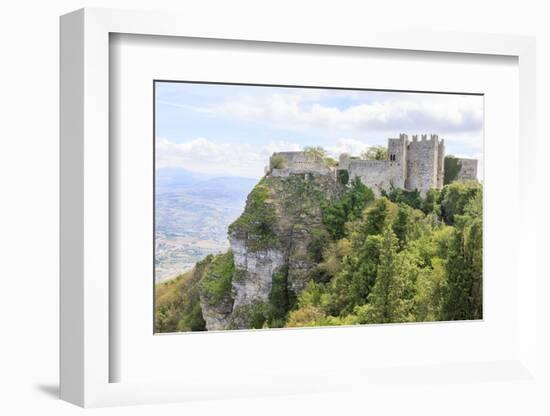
x=425 y=159
x=343 y=161
x=397 y=160
x=440 y=164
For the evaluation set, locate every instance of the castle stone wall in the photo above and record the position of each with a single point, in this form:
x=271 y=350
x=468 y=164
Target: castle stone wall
x=397 y=158
x=440 y=164
x=286 y=172
x=468 y=169
x=344 y=161
x=377 y=174
x=416 y=164
x=422 y=164
x=299 y=162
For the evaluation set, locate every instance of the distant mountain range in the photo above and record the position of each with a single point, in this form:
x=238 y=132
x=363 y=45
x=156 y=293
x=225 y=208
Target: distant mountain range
x=192 y=213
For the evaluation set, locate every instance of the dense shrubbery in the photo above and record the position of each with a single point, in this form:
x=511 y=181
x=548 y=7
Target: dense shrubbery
x=348 y=208
x=396 y=258
x=463 y=298
x=278 y=162
x=258 y=219
x=455 y=197
x=215 y=286
x=342 y=175
x=177 y=301
x=281 y=300
x=404 y=259
x=375 y=153
x=451 y=169
x=330 y=162
x=411 y=198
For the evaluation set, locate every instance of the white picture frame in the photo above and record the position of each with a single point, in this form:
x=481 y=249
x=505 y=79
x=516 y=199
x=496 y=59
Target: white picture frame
x=85 y=219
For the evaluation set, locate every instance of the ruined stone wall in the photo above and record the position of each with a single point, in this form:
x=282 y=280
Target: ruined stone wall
x=468 y=169
x=416 y=164
x=422 y=164
x=286 y=172
x=299 y=162
x=441 y=164
x=377 y=174
x=344 y=161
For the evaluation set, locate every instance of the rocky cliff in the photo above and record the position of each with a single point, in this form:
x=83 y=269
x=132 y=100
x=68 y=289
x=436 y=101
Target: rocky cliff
x=308 y=251
x=275 y=248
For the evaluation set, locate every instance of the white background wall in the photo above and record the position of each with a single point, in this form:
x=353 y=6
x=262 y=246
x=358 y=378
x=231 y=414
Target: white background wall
x=29 y=57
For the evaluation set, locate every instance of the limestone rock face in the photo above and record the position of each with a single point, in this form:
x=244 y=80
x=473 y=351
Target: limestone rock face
x=253 y=272
x=275 y=248
x=281 y=222
x=216 y=315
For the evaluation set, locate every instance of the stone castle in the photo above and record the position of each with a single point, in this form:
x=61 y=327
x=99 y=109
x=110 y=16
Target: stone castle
x=416 y=164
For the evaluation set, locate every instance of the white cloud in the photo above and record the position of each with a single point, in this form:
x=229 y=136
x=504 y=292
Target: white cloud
x=318 y=117
x=396 y=112
x=280 y=146
x=224 y=159
x=350 y=146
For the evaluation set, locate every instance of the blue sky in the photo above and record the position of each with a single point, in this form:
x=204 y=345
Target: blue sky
x=231 y=130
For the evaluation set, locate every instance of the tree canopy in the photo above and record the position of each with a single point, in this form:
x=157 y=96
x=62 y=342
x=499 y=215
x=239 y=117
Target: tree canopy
x=375 y=153
x=401 y=257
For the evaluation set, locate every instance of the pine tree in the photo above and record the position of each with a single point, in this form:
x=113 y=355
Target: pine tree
x=353 y=284
x=349 y=208
x=464 y=267
x=401 y=225
x=388 y=301
x=377 y=217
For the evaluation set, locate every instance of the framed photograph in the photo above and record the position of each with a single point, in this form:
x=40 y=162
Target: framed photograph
x=333 y=227
x=272 y=212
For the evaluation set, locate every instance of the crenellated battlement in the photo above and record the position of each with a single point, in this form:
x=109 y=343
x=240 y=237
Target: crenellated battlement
x=410 y=164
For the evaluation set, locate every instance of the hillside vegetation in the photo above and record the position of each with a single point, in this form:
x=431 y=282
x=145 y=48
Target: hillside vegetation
x=347 y=258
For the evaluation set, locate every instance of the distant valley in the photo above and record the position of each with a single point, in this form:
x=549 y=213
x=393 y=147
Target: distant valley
x=192 y=213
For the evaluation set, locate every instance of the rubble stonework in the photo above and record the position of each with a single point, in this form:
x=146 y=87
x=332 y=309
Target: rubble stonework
x=416 y=164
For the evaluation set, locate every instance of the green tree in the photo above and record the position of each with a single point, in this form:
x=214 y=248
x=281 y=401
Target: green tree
x=455 y=197
x=333 y=256
x=389 y=300
x=464 y=266
x=350 y=207
x=315 y=151
x=310 y=311
x=377 y=217
x=216 y=284
x=330 y=162
x=258 y=219
x=352 y=286
x=357 y=198
x=402 y=196
x=431 y=245
x=334 y=219
x=281 y=299
x=430 y=202
x=375 y=153
x=177 y=301
x=343 y=176
x=401 y=225
x=278 y=162
x=451 y=166
x=429 y=288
